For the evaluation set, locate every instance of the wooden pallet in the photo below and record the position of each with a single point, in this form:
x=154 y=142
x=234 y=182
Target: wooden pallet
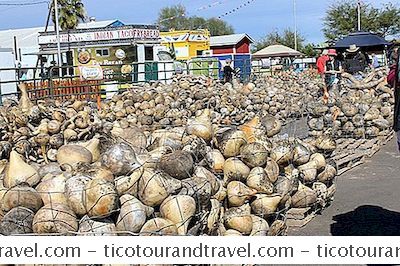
x=299 y=217
x=350 y=153
x=350 y=161
x=384 y=139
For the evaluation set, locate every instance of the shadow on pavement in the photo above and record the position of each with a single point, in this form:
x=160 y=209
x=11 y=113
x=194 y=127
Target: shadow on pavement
x=367 y=220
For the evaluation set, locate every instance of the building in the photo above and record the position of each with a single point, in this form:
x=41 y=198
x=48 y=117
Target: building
x=19 y=48
x=186 y=44
x=25 y=42
x=236 y=47
x=110 y=51
x=234 y=44
x=118 y=51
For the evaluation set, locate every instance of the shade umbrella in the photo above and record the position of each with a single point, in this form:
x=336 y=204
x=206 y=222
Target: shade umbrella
x=361 y=39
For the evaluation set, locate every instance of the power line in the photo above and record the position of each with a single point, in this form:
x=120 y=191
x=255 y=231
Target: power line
x=246 y=3
x=24 y=4
x=216 y=3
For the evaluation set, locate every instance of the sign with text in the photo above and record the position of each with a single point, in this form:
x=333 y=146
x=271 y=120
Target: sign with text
x=103 y=35
x=91 y=72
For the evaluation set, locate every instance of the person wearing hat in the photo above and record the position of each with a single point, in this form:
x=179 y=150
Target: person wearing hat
x=353 y=49
x=333 y=69
x=355 y=60
x=228 y=71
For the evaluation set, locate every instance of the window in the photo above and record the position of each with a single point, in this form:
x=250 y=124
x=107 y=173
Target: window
x=199 y=52
x=148 y=53
x=102 y=52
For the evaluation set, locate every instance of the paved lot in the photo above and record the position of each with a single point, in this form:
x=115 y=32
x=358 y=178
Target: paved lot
x=367 y=201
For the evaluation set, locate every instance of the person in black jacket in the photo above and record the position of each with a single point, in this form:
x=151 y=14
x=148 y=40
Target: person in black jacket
x=355 y=60
x=228 y=71
x=333 y=70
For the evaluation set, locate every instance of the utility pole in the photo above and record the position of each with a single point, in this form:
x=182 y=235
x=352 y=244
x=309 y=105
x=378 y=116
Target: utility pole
x=295 y=24
x=359 y=15
x=58 y=38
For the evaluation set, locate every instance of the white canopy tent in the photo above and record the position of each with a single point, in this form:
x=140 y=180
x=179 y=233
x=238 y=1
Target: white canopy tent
x=277 y=50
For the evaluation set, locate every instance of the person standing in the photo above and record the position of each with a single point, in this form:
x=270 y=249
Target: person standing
x=393 y=80
x=355 y=60
x=321 y=61
x=228 y=71
x=375 y=61
x=333 y=69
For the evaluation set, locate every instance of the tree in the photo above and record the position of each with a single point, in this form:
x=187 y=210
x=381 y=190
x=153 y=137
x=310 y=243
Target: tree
x=219 y=27
x=309 y=50
x=389 y=20
x=175 y=17
x=70 y=13
x=341 y=19
x=286 y=38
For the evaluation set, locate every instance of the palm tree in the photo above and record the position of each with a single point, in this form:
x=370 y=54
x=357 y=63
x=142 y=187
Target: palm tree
x=71 y=12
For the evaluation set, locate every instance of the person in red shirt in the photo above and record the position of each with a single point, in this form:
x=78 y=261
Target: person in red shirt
x=321 y=61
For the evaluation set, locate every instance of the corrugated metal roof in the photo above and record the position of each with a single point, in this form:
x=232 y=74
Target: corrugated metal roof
x=228 y=39
x=29 y=37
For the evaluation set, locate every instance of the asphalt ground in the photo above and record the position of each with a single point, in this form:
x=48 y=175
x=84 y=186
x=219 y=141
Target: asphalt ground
x=367 y=201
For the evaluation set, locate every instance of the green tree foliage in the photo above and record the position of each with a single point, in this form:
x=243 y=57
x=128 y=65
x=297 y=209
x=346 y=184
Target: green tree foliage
x=309 y=50
x=175 y=17
x=70 y=13
x=341 y=19
x=286 y=38
x=219 y=27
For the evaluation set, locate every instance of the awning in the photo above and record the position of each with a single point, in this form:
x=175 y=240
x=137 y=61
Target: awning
x=361 y=39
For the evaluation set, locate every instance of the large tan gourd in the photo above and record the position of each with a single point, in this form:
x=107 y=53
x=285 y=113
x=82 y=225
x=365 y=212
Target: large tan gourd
x=239 y=193
x=304 y=197
x=215 y=160
x=235 y=169
x=55 y=219
x=100 y=198
x=155 y=187
x=90 y=227
x=93 y=146
x=201 y=126
x=159 y=227
x=74 y=188
x=21 y=196
x=73 y=154
x=260 y=226
x=259 y=181
x=129 y=184
x=265 y=205
x=179 y=209
x=239 y=219
x=52 y=190
x=133 y=214
x=19 y=172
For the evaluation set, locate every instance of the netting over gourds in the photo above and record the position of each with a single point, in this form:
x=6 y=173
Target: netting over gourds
x=190 y=158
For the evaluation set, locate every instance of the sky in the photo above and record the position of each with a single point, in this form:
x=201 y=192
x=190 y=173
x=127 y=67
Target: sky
x=256 y=19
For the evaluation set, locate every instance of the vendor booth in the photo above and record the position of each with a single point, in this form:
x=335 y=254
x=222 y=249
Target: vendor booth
x=123 y=53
